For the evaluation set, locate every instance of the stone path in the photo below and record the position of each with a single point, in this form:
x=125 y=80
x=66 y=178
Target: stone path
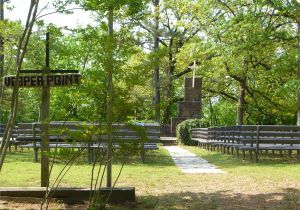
x=191 y=163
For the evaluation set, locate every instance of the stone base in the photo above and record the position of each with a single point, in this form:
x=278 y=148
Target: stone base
x=189 y=109
x=73 y=195
x=165 y=130
x=174 y=122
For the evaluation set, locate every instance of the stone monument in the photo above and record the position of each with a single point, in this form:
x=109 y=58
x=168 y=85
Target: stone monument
x=191 y=106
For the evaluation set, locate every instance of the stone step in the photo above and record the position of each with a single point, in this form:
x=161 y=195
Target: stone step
x=167 y=140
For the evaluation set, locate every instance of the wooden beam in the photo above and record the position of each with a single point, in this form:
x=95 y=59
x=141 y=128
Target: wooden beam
x=44 y=119
x=57 y=71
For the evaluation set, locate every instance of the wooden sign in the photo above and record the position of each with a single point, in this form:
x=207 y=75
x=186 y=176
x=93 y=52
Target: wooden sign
x=43 y=81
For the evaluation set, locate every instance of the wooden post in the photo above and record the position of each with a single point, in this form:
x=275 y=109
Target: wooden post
x=44 y=119
x=257 y=144
x=110 y=67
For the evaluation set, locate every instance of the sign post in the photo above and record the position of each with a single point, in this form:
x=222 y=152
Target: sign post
x=44 y=120
x=45 y=79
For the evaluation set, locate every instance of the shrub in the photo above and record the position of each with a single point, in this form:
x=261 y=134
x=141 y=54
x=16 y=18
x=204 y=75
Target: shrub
x=183 y=130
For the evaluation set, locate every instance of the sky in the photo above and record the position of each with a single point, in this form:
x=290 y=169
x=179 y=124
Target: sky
x=20 y=10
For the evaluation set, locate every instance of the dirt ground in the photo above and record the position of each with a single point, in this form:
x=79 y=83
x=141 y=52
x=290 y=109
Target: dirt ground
x=35 y=203
x=185 y=200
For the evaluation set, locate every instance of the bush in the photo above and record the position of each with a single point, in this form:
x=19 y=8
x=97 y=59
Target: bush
x=183 y=130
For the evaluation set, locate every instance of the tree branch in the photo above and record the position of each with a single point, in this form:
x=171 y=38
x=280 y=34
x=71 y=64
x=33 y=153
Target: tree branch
x=222 y=93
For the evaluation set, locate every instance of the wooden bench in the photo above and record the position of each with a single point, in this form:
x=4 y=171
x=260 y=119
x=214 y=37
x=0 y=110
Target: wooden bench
x=61 y=134
x=12 y=142
x=2 y=128
x=251 y=138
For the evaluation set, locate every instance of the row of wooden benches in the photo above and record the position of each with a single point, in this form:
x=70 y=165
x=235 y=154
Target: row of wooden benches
x=251 y=138
x=88 y=136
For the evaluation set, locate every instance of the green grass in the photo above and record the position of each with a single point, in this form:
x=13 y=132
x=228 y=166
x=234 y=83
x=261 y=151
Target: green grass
x=273 y=183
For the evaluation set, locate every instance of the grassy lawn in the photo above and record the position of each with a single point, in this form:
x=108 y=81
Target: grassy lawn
x=271 y=184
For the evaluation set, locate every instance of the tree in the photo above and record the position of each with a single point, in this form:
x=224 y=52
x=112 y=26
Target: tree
x=238 y=35
x=1 y=57
x=21 y=51
x=110 y=7
x=156 y=82
x=298 y=99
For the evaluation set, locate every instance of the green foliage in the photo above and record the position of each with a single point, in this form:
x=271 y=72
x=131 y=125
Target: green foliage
x=132 y=147
x=254 y=41
x=219 y=112
x=183 y=130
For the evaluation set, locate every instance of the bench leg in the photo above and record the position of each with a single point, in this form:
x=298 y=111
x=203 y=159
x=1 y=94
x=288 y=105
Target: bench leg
x=237 y=152
x=90 y=154
x=36 y=154
x=231 y=150
x=256 y=156
x=298 y=155
x=243 y=152
x=290 y=153
x=280 y=152
x=143 y=155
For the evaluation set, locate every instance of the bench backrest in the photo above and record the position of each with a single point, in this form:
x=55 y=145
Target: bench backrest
x=262 y=134
x=60 y=131
x=2 y=127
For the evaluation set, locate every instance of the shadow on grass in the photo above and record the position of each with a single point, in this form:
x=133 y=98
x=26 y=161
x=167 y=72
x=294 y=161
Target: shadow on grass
x=155 y=158
x=288 y=199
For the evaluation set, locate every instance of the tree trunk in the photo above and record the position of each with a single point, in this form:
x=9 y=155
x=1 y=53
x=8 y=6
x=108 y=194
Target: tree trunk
x=241 y=103
x=298 y=108
x=22 y=48
x=169 y=85
x=1 y=60
x=156 y=82
x=109 y=69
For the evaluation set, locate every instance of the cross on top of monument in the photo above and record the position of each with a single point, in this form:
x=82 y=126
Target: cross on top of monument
x=194 y=74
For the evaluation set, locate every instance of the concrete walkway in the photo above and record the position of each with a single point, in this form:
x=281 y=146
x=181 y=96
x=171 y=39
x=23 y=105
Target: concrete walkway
x=191 y=163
